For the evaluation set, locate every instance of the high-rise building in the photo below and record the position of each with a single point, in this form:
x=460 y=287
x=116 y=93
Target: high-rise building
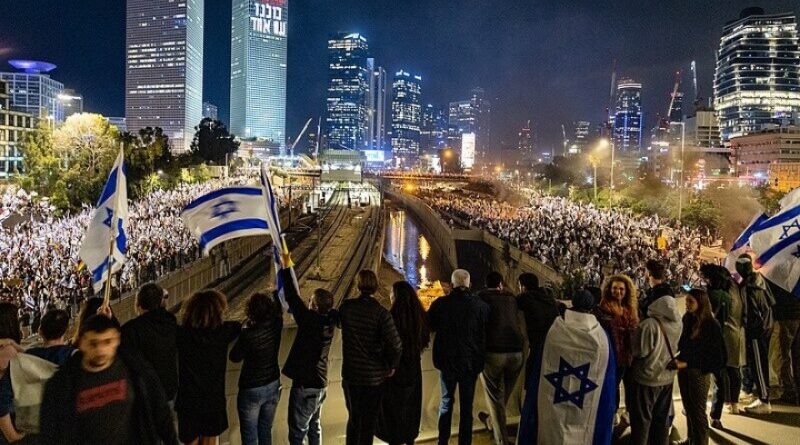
x=768 y=153
x=164 y=67
x=118 y=122
x=348 y=92
x=702 y=129
x=433 y=130
x=581 y=135
x=628 y=120
x=32 y=91
x=757 y=80
x=406 y=117
x=13 y=124
x=71 y=101
x=525 y=144
x=210 y=111
x=472 y=116
x=258 y=70
x=676 y=112
x=378 y=100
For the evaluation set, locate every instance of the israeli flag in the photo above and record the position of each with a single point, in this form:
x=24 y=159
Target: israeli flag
x=742 y=244
x=776 y=243
x=109 y=222
x=226 y=214
x=571 y=397
x=273 y=217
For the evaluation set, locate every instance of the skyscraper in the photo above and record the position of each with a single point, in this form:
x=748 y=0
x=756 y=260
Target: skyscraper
x=581 y=136
x=13 y=125
x=258 y=70
x=348 y=92
x=406 y=117
x=525 y=142
x=164 y=67
x=32 y=91
x=433 y=129
x=676 y=112
x=210 y=111
x=472 y=116
x=757 y=78
x=71 y=101
x=377 y=105
x=628 y=116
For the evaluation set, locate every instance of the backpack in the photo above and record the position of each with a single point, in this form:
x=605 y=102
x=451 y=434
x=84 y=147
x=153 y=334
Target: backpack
x=29 y=374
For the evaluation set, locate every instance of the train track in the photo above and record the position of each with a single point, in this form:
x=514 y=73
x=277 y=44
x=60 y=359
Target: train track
x=359 y=259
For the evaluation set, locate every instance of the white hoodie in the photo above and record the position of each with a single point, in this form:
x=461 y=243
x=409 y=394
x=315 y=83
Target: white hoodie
x=650 y=351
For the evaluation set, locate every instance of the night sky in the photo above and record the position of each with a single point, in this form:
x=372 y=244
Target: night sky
x=548 y=61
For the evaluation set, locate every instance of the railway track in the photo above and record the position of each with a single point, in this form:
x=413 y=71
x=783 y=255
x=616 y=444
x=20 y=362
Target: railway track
x=360 y=256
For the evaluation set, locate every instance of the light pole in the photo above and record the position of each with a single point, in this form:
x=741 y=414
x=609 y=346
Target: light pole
x=602 y=144
x=680 y=186
x=594 y=176
x=611 y=181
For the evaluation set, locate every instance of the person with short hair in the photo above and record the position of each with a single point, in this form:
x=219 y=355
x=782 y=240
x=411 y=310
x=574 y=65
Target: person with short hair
x=153 y=335
x=504 y=358
x=53 y=329
x=540 y=309
x=459 y=321
x=259 y=381
x=659 y=287
x=203 y=339
x=104 y=395
x=307 y=363
x=371 y=351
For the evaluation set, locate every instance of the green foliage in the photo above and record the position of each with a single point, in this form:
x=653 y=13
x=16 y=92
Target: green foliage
x=701 y=212
x=212 y=143
x=149 y=161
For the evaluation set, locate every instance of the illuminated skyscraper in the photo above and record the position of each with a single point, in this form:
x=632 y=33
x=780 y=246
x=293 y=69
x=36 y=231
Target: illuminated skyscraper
x=32 y=91
x=757 y=79
x=581 y=136
x=406 y=116
x=164 y=67
x=525 y=142
x=472 y=116
x=628 y=116
x=378 y=106
x=258 y=70
x=210 y=111
x=433 y=130
x=349 y=78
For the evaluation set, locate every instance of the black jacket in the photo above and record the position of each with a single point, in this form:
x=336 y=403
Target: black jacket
x=757 y=302
x=706 y=352
x=540 y=310
x=653 y=294
x=153 y=335
x=258 y=345
x=307 y=364
x=459 y=321
x=787 y=306
x=503 y=333
x=58 y=422
x=371 y=345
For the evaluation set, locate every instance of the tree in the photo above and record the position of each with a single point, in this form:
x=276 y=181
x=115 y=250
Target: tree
x=212 y=143
x=148 y=159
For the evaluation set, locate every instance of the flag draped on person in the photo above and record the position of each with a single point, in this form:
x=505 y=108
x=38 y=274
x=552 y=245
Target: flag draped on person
x=278 y=244
x=226 y=214
x=776 y=243
x=572 y=391
x=109 y=222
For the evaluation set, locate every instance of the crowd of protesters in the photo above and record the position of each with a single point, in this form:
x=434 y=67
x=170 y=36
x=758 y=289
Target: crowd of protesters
x=122 y=384
x=569 y=236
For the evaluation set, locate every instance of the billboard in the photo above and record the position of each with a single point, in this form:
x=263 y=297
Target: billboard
x=375 y=155
x=467 y=150
x=269 y=17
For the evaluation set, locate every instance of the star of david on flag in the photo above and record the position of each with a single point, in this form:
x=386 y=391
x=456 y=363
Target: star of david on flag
x=776 y=243
x=109 y=222
x=565 y=370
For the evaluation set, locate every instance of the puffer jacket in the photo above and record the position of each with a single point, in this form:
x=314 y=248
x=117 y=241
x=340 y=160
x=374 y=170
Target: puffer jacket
x=258 y=346
x=650 y=352
x=758 y=302
x=371 y=346
x=459 y=321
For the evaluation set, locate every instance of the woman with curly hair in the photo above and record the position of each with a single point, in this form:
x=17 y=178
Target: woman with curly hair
x=618 y=313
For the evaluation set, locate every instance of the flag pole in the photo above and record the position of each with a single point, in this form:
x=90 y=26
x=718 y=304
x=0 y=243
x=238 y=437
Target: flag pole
x=109 y=259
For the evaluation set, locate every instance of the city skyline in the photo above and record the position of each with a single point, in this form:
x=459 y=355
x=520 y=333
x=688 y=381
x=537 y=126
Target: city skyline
x=559 y=73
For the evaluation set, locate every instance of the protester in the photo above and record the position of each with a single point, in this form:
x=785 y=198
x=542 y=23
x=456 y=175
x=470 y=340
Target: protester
x=618 y=314
x=504 y=341
x=153 y=335
x=659 y=287
x=203 y=340
x=571 y=399
x=307 y=363
x=726 y=305
x=52 y=330
x=9 y=330
x=103 y=396
x=259 y=381
x=89 y=307
x=459 y=321
x=540 y=309
x=702 y=352
x=758 y=303
x=787 y=317
x=652 y=376
x=401 y=405
x=371 y=351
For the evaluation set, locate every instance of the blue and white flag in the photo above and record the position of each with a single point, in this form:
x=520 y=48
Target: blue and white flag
x=109 y=222
x=226 y=214
x=273 y=217
x=571 y=398
x=776 y=243
x=742 y=244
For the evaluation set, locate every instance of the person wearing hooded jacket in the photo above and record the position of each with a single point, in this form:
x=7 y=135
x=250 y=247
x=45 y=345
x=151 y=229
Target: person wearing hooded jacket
x=654 y=349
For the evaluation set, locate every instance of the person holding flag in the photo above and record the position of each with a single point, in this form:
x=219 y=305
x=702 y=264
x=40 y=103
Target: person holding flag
x=576 y=350
x=105 y=243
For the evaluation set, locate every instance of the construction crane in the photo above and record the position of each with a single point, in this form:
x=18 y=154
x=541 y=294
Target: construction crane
x=300 y=136
x=674 y=94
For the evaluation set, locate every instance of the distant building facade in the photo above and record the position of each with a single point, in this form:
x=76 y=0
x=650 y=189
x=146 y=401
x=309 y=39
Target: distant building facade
x=210 y=111
x=406 y=117
x=71 y=101
x=349 y=76
x=433 y=130
x=31 y=90
x=473 y=115
x=627 y=119
x=761 y=155
x=13 y=125
x=378 y=106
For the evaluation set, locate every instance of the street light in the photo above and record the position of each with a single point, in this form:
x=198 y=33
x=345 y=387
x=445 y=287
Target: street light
x=680 y=186
x=601 y=145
